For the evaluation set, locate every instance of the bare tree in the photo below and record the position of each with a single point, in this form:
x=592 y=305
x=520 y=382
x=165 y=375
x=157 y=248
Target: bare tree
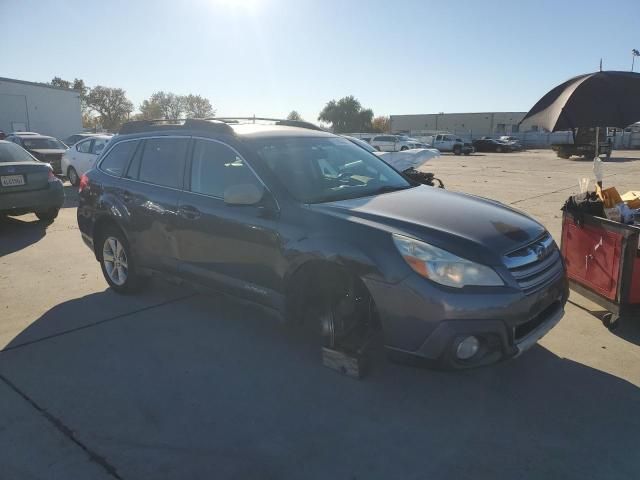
x=111 y=104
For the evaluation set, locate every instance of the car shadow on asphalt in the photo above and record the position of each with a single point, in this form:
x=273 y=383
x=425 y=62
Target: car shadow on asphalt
x=203 y=387
x=16 y=233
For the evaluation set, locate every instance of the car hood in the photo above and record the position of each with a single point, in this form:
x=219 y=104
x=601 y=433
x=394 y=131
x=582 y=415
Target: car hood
x=47 y=151
x=473 y=227
x=406 y=159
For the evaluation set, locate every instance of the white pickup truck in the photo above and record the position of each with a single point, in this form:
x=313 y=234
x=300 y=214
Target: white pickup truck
x=446 y=142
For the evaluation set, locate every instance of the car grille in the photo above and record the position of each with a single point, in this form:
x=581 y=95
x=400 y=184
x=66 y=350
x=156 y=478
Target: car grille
x=536 y=265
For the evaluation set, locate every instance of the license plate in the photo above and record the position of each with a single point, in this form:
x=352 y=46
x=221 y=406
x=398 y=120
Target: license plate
x=12 y=180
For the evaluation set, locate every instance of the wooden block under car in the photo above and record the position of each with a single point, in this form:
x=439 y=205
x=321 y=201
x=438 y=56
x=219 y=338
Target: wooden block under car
x=352 y=364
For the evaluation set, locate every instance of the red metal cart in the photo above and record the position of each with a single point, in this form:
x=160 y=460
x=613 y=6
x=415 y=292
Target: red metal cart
x=603 y=263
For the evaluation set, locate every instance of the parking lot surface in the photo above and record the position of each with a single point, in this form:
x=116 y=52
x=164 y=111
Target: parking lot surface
x=176 y=384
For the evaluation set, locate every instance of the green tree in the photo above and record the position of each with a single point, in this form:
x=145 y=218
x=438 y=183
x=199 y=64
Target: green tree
x=111 y=104
x=346 y=115
x=149 y=110
x=196 y=106
x=293 y=115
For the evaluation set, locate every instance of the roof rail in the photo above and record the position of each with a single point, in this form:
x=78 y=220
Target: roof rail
x=213 y=125
x=277 y=121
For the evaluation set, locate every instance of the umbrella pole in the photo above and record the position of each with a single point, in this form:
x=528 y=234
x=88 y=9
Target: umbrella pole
x=596 y=160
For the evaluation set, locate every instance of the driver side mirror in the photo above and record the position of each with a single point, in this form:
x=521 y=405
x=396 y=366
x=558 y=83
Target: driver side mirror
x=243 y=194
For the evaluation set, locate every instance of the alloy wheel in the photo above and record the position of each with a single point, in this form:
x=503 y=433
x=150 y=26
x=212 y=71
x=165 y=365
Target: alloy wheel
x=114 y=258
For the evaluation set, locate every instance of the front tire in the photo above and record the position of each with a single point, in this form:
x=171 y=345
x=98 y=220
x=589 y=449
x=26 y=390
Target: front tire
x=47 y=216
x=117 y=262
x=72 y=175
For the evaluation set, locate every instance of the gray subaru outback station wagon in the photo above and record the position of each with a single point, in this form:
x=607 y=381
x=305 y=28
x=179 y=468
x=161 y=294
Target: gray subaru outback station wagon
x=313 y=227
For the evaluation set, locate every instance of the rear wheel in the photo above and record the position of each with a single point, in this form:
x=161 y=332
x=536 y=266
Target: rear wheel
x=117 y=262
x=402 y=149
x=47 y=216
x=499 y=149
x=72 y=175
x=457 y=150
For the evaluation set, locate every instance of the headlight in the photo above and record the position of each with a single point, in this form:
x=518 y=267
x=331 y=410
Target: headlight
x=443 y=267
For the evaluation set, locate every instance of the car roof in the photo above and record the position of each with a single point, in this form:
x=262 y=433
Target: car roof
x=37 y=135
x=256 y=130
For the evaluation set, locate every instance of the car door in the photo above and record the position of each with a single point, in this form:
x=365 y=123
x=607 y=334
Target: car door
x=151 y=189
x=235 y=249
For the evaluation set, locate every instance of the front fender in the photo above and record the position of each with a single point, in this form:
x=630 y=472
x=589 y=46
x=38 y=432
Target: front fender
x=367 y=260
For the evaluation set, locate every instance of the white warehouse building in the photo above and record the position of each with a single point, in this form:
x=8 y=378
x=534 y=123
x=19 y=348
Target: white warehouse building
x=36 y=107
x=470 y=125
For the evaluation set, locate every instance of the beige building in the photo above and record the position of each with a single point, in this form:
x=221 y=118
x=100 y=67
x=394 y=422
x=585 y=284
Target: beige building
x=465 y=124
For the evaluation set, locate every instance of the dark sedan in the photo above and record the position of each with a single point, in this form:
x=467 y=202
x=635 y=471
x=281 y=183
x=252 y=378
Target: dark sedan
x=27 y=185
x=46 y=149
x=492 y=145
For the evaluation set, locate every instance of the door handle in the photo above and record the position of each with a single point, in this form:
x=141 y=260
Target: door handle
x=189 y=212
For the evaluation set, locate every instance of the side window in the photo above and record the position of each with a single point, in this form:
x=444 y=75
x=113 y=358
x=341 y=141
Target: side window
x=83 y=147
x=162 y=161
x=98 y=146
x=438 y=137
x=116 y=160
x=215 y=167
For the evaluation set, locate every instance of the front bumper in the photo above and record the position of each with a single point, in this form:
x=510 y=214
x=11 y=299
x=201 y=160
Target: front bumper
x=19 y=203
x=423 y=320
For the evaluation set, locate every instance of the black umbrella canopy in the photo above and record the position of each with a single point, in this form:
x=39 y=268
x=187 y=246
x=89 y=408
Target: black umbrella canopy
x=600 y=99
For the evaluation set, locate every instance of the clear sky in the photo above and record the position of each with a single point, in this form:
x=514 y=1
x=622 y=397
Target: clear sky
x=268 y=57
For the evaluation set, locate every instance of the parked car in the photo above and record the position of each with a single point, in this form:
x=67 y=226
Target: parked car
x=513 y=141
x=27 y=185
x=315 y=228
x=450 y=143
x=391 y=143
x=401 y=161
x=73 y=139
x=82 y=156
x=492 y=145
x=44 y=148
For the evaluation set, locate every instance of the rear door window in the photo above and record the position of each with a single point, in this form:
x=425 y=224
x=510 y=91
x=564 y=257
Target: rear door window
x=215 y=167
x=83 y=147
x=118 y=157
x=162 y=161
x=98 y=145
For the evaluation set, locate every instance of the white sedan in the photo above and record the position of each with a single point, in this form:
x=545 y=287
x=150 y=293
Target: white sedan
x=81 y=157
x=401 y=161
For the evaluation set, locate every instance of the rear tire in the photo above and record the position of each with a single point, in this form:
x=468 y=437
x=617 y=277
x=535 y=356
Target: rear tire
x=117 y=262
x=402 y=149
x=457 y=150
x=498 y=149
x=72 y=175
x=47 y=216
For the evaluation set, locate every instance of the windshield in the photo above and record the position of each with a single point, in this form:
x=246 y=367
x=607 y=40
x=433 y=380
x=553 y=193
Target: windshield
x=42 y=143
x=321 y=169
x=10 y=152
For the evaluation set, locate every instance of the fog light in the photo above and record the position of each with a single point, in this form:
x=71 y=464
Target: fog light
x=467 y=348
